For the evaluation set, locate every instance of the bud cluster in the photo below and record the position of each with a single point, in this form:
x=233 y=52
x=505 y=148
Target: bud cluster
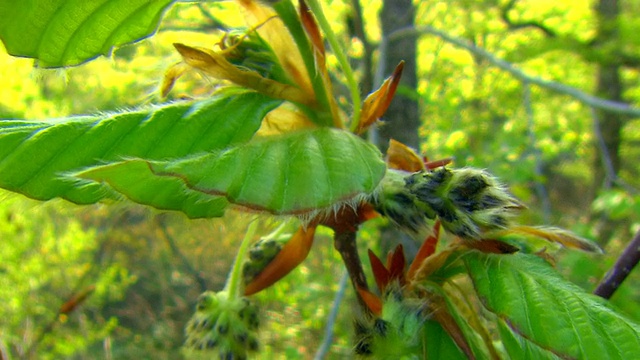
x=467 y=201
x=223 y=327
x=396 y=333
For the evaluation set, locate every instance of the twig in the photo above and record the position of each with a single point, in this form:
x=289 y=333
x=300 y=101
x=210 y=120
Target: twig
x=525 y=24
x=591 y=50
x=345 y=243
x=4 y=353
x=623 y=266
x=212 y=19
x=331 y=321
x=610 y=173
x=202 y=283
x=203 y=28
x=590 y=100
x=53 y=322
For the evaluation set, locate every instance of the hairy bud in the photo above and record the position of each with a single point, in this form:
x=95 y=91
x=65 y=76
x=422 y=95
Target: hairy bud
x=261 y=254
x=396 y=202
x=396 y=333
x=467 y=201
x=222 y=327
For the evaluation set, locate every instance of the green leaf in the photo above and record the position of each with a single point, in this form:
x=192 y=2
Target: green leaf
x=69 y=32
x=438 y=344
x=35 y=155
x=473 y=338
x=521 y=348
x=164 y=193
x=298 y=173
x=553 y=314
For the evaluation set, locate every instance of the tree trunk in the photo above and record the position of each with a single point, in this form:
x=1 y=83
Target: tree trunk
x=608 y=125
x=609 y=87
x=402 y=118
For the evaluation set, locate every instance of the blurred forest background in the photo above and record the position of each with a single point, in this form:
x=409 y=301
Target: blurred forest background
x=504 y=85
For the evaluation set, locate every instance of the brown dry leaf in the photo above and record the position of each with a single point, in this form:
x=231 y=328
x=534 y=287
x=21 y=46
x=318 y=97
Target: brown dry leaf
x=312 y=29
x=449 y=324
x=432 y=263
x=427 y=249
x=373 y=302
x=402 y=157
x=490 y=246
x=76 y=300
x=377 y=103
x=557 y=235
x=380 y=272
x=437 y=163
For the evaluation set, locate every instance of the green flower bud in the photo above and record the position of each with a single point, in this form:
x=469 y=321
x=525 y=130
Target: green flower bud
x=223 y=328
x=261 y=254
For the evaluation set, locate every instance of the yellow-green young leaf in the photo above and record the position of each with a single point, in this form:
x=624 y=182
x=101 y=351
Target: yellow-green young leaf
x=553 y=314
x=69 y=32
x=298 y=173
x=35 y=156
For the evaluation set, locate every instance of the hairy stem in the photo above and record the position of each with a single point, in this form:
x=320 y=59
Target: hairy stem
x=616 y=275
x=345 y=243
x=234 y=284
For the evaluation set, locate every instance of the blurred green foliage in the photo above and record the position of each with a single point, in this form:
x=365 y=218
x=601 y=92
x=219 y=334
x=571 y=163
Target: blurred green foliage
x=146 y=289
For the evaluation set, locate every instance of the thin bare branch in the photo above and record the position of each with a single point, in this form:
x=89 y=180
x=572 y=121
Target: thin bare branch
x=607 y=164
x=621 y=269
x=213 y=21
x=539 y=186
x=610 y=173
x=590 y=100
x=202 y=283
x=504 y=13
x=323 y=350
x=4 y=353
